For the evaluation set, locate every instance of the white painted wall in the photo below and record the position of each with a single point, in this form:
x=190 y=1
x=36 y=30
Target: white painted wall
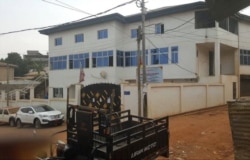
x=163 y=98
x=244 y=43
x=228 y=62
x=192 y=60
x=185 y=37
x=120 y=38
x=244 y=36
x=170 y=99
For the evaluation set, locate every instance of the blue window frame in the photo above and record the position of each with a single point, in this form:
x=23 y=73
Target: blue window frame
x=78 y=60
x=130 y=58
x=58 y=41
x=119 y=58
x=174 y=54
x=146 y=58
x=102 y=34
x=58 y=63
x=79 y=38
x=244 y=57
x=134 y=33
x=159 y=28
x=159 y=56
x=102 y=59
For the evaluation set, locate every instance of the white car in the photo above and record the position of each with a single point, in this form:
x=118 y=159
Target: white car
x=38 y=115
x=8 y=115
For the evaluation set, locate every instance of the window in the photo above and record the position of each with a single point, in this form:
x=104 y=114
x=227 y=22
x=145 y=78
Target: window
x=119 y=58
x=58 y=63
x=134 y=33
x=79 y=38
x=244 y=57
x=58 y=92
x=211 y=63
x=203 y=19
x=25 y=110
x=102 y=34
x=130 y=58
x=78 y=60
x=58 y=41
x=233 y=26
x=229 y=24
x=102 y=59
x=5 y=112
x=146 y=58
x=159 y=56
x=174 y=54
x=159 y=29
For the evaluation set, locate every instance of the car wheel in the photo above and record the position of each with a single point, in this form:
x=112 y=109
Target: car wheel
x=12 y=122
x=19 y=123
x=37 y=123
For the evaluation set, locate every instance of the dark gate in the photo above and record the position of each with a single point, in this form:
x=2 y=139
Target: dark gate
x=102 y=96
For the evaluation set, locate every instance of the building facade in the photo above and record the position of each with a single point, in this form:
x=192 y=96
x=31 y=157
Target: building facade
x=38 y=59
x=7 y=72
x=184 y=41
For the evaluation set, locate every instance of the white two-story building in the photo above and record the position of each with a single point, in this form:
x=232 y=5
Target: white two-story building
x=184 y=41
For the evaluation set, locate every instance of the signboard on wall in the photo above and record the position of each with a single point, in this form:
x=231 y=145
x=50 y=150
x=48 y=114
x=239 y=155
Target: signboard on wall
x=153 y=74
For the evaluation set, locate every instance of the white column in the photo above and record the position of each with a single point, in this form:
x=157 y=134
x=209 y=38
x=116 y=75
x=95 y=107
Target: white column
x=50 y=93
x=17 y=95
x=32 y=93
x=78 y=93
x=3 y=95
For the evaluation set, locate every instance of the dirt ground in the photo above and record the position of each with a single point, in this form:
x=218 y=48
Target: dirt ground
x=201 y=135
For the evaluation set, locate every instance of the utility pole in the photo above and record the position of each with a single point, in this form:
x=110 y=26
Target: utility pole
x=7 y=74
x=139 y=69
x=143 y=13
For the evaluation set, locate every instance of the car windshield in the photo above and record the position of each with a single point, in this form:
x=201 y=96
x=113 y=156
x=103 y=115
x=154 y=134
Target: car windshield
x=13 y=110
x=43 y=108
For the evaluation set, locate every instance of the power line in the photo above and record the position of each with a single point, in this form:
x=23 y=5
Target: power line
x=100 y=13
x=67 y=6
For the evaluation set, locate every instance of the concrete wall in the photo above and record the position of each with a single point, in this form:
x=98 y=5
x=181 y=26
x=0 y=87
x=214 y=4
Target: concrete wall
x=57 y=103
x=162 y=98
x=171 y=99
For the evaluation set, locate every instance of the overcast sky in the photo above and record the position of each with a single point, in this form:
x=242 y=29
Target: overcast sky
x=25 y=14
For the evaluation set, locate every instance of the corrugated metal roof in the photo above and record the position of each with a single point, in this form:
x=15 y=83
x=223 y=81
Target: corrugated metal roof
x=2 y=64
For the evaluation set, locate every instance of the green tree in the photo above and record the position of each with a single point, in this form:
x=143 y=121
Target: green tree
x=15 y=58
x=35 y=65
